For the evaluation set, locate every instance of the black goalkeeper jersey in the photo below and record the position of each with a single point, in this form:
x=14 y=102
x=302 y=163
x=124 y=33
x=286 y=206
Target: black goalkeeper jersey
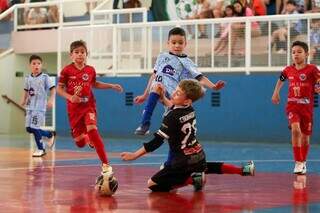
x=179 y=128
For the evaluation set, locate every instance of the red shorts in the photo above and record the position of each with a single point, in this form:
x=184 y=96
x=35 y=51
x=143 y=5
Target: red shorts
x=80 y=126
x=301 y=115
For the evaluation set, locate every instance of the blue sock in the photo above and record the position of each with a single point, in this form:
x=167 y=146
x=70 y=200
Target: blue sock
x=45 y=133
x=37 y=137
x=148 y=109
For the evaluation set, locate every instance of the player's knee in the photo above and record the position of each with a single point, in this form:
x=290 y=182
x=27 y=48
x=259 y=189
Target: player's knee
x=81 y=143
x=296 y=132
x=157 y=88
x=151 y=183
x=158 y=187
x=29 y=129
x=91 y=127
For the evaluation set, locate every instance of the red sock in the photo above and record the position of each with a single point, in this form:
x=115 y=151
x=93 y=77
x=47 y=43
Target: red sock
x=98 y=145
x=305 y=151
x=230 y=169
x=189 y=181
x=297 y=154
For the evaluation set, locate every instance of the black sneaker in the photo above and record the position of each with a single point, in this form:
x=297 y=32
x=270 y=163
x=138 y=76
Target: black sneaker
x=198 y=180
x=142 y=129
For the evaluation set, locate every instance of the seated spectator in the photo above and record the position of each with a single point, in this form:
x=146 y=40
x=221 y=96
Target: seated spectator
x=36 y=15
x=315 y=41
x=4 y=5
x=224 y=29
x=239 y=28
x=202 y=11
x=313 y=6
x=279 y=36
x=131 y=3
x=299 y=6
x=258 y=7
x=53 y=14
x=271 y=7
x=90 y=6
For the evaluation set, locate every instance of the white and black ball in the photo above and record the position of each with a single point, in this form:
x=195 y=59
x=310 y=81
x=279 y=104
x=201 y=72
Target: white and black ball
x=106 y=185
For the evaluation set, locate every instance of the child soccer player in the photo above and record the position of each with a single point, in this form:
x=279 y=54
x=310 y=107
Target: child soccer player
x=186 y=162
x=303 y=80
x=34 y=99
x=170 y=68
x=75 y=84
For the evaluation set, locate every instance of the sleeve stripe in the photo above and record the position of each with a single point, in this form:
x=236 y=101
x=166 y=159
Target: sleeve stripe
x=162 y=134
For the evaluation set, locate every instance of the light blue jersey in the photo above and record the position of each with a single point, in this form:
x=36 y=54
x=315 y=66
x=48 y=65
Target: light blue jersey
x=37 y=88
x=170 y=69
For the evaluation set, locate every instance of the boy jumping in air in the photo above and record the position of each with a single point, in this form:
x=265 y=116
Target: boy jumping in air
x=170 y=68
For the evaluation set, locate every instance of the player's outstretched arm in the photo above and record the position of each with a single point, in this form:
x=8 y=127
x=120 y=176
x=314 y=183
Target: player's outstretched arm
x=207 y=83
x=152 y=145
x=126 y=156
x=141 y=98
x=102 y=85
x=276 y=93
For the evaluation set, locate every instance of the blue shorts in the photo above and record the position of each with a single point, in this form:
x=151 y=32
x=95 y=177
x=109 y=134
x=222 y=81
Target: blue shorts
x=35 y=119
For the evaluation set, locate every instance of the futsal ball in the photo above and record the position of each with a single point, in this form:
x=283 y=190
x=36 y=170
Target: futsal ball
x=106 y=185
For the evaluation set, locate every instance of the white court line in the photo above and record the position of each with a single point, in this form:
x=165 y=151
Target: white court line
x=151 y=163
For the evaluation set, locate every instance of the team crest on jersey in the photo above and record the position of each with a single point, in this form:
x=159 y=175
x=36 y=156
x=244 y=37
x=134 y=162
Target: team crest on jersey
x=31 y=92
x=85 y=77
x=302 y=77
x=168 y=70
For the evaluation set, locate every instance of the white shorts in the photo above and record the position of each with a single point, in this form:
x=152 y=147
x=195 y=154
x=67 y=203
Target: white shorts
x=35 y=119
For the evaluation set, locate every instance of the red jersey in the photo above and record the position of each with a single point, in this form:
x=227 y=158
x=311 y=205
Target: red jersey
x=79 y=82
x=301 y=84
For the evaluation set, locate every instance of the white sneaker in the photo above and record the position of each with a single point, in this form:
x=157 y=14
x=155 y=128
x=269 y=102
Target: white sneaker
x=39 y=153
x=106 y=170
x=249 y=169
x=298 y=168
x=304 y=170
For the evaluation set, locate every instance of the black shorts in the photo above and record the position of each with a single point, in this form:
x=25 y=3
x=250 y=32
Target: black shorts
x=170 y=177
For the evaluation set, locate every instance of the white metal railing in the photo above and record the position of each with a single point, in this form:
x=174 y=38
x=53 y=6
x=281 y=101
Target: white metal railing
x=114 y=16
x=131 y=48
x=18 y=10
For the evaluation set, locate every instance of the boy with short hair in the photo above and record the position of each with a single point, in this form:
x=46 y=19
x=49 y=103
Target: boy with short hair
x=186 y=162
x=170 y=68
x=75 y=84
x=303 y=82
x=34 y=99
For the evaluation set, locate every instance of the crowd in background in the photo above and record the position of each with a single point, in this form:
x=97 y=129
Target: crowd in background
x=204 y=9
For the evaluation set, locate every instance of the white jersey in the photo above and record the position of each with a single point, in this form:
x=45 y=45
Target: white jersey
x=37 y=88
x=170 y=69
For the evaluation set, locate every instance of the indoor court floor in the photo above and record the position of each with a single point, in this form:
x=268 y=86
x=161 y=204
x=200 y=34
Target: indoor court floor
x=63 y=180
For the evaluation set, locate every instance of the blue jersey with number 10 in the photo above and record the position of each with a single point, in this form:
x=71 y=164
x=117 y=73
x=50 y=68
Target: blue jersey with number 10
x=170 y=69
